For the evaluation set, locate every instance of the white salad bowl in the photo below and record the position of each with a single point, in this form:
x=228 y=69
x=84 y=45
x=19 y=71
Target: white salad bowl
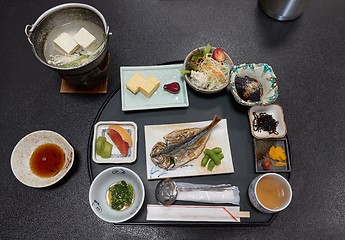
x=98 y=194
x=192 y=84
x=264 y=74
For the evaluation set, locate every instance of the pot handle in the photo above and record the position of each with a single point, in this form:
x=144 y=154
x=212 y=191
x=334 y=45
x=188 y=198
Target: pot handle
x=28 y=32
x=107 y=32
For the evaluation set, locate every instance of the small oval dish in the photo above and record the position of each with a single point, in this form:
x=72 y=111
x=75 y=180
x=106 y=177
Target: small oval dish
x=273 y=110
x=22 y=152
x=98 y=194
x=263 y=75
x=228 y=61
x=101 y=128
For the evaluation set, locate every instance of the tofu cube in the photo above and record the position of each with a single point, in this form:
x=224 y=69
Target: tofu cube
x=134 y=82
x=149 y=86
x=84 y=38
x=66 y=43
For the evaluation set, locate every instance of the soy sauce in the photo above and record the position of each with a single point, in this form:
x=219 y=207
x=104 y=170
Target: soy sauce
x=47 y=160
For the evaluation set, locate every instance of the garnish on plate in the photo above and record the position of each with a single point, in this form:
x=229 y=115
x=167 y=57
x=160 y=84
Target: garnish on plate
x=173 y=87
x=265 y=122
x=212 y=158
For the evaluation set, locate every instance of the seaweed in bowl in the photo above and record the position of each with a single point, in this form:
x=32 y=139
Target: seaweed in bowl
x=120 y=195
x=116 y=194
x=207 y=69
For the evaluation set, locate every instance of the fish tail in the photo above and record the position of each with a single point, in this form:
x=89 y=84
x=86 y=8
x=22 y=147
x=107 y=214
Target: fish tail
x=216 y=119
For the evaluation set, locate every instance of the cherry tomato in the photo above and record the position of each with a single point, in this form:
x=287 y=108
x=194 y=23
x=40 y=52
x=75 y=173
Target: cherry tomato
x=218 y=55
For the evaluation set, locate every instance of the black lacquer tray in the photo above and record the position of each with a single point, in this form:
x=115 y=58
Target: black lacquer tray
x=201 y=108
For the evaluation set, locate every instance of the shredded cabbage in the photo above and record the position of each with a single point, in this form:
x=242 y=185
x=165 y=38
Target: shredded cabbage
x=210 y=74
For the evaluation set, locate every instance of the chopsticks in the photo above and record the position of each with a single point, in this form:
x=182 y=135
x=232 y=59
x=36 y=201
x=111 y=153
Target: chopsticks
x=241 y=214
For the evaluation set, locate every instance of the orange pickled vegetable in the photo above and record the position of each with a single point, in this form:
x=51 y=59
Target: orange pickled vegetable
x=280 y=164
x=277 y=153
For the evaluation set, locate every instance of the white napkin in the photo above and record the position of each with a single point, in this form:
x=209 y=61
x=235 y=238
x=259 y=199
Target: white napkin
x=193 y=213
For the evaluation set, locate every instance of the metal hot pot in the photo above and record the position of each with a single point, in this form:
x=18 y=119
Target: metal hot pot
x=87 y=76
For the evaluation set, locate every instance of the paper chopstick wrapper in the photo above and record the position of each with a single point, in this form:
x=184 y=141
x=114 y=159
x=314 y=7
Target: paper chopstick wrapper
x=191 y=213
x=209 y=196
x=229 y=194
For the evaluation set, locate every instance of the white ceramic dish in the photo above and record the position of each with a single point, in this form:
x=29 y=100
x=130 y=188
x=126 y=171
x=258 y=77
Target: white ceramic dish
x=160 y=98
x=21 y=154
x=264 y=74
x=277 y=113
x=100 y=186
x=199 y=89
x=100 y=129
x=284 y=187
x=219 y=138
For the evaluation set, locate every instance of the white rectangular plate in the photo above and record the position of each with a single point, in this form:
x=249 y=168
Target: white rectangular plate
x=218 y=138
x=160 y=98
x=100 y=129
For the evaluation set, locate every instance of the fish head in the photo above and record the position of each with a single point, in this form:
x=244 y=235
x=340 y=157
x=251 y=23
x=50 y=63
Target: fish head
x=158 y=149
x=164 y=161
x=159 y=157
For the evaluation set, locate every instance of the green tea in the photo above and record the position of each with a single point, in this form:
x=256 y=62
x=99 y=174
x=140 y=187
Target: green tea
x=272 y=193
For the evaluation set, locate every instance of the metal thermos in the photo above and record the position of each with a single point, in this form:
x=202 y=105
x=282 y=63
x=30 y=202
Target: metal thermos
x=282 y=10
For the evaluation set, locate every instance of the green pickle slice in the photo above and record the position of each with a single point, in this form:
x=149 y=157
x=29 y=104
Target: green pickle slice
x=100 y=144
x=106 y=153
x=103 y=147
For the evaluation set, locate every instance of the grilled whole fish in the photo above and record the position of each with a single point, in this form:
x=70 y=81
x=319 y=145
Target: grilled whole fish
x=181 y=146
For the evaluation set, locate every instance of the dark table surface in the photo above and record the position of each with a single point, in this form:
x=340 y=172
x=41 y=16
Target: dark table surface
x=307 y=55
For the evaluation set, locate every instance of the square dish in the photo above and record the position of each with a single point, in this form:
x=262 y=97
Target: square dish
x=160 y=98
x=261 y=152
x=276 y=111
x=100 y=129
